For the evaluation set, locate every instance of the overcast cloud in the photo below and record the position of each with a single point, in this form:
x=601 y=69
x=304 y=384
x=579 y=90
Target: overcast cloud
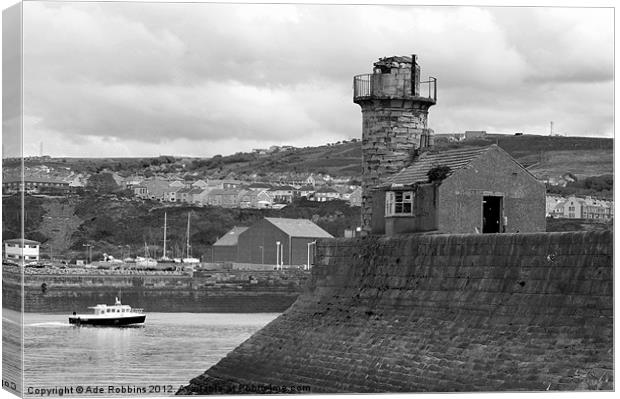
x=142 y=79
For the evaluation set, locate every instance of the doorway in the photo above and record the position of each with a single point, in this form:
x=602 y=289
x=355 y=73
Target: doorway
x=491 y=214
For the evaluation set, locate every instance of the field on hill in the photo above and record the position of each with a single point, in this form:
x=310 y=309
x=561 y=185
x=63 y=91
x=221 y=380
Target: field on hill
x=581 y=164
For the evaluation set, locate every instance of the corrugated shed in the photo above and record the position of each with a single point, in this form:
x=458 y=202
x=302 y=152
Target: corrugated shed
x=231 y=238
x=299 y=228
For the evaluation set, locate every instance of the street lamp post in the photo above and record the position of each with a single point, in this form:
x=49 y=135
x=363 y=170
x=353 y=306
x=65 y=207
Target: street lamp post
x=90 y=252
x=277 y=255
x=309 y=244
x=262 y=254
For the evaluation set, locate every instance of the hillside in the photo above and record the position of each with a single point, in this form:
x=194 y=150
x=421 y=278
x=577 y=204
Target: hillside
x=544 y=156
x=112 y=223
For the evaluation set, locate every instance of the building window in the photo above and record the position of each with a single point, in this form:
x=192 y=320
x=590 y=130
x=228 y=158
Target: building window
x=399 y=203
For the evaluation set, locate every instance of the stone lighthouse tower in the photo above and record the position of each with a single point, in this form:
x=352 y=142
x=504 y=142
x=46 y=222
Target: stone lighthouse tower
x=395 y=107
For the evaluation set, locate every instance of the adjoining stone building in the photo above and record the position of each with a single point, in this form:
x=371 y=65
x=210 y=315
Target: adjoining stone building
x=395 y=107
x=465 y=190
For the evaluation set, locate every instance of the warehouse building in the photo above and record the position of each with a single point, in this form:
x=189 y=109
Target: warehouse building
x=225 y=249
x=279 y=241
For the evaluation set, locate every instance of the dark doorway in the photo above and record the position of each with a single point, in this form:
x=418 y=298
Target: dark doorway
x=491 y=214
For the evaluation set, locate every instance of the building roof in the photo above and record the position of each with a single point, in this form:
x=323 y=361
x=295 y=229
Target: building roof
x=299 y=228
x=260 y=185
x=326 y=190
x=33 y=179
x=231 y=238
x=454 y=159
x=223 y=191
x=22 y=241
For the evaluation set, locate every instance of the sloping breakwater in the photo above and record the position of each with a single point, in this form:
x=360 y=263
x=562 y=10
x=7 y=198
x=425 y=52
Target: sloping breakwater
x=439 y=313
x=233 y=291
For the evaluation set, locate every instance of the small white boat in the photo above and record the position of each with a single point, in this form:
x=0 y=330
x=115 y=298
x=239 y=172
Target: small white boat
x=145 y=262
x=110 y=315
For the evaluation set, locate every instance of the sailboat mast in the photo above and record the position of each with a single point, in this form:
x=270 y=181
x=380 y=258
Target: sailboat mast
x=188 y=217
x=165 y=225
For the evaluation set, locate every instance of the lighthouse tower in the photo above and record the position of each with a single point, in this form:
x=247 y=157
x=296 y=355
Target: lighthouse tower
x=395 y=107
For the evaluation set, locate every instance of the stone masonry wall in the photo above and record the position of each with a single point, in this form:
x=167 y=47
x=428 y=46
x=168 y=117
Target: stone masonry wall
x=391 y=130
x=439 y=313
x=233 y=291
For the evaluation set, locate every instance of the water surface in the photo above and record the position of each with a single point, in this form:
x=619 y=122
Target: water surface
x=159 y=357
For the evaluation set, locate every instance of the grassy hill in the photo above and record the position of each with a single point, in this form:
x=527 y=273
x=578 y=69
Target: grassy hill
x=542 y=155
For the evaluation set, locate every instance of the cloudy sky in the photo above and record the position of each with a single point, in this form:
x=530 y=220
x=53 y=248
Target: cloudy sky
x=143 y=79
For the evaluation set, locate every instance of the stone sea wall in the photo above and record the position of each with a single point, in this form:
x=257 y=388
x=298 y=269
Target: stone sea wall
x=439 y=313
x=212 y=291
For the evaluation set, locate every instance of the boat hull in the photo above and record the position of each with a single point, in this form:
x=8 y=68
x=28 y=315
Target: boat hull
x=110 y=321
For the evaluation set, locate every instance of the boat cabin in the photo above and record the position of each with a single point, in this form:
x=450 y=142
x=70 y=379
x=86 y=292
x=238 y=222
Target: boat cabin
x=105 y=309
x=102 y=309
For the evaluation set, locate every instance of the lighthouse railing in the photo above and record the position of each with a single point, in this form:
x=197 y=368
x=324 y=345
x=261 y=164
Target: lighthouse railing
x=367 y=85
x=362 y=86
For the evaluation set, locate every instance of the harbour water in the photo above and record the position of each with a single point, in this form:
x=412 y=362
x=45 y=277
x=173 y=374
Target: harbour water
x=150 y=360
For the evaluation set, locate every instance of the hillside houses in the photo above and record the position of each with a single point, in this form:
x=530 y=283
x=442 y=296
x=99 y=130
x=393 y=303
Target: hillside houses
x=574 y=207
x=230 y=193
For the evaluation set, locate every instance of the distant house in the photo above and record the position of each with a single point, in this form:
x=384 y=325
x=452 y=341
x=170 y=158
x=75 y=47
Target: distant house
x=247 y=198
x=222 y=197
x=131 y=181
x=184 y=195
x=177 y=183
x=19 y=250
x=140 y=192
x=259 y=186
x=201 y=196
x=475 y=134
x=200 y=184
x=193 y=195
x=355 y=199
x=461 y=191
x=32 y=184
x=170 y=194
x=325 y=194
x=155 y=188
x=575 y=207
x=225 y=249
x=551 y=203
x=282 y=194
x=229 y=184
x=305 y=191
x=279 y=241
x=315 y=181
